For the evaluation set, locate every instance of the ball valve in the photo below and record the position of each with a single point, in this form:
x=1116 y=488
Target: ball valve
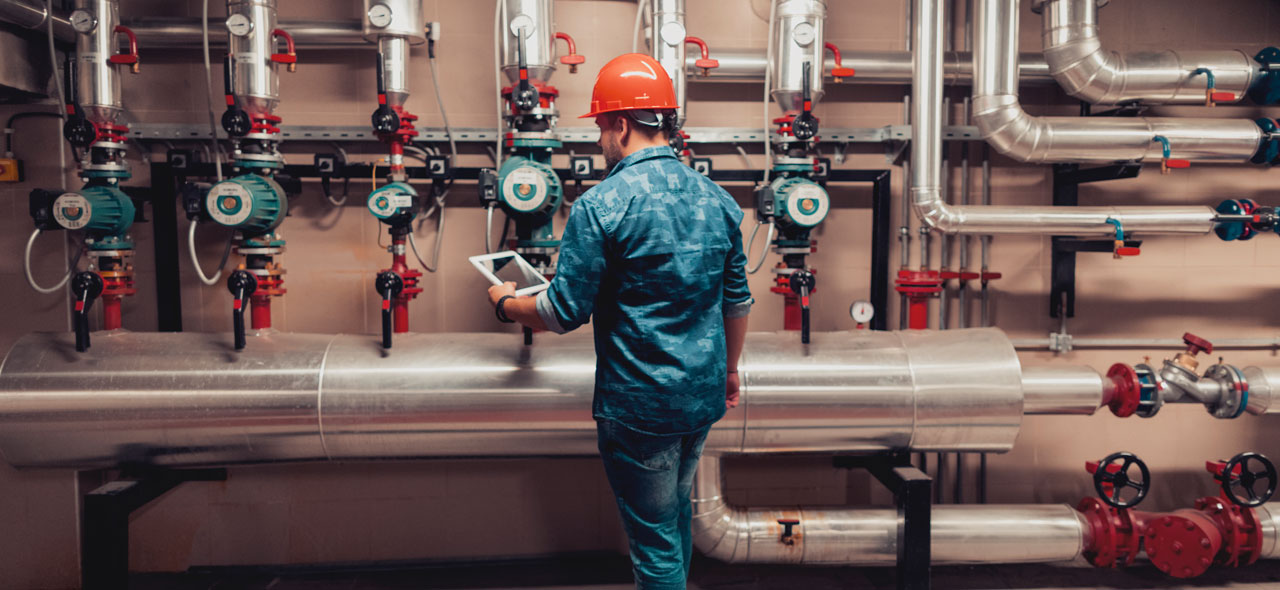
x=85 y=287
x=242 y=285
x=1143 y=390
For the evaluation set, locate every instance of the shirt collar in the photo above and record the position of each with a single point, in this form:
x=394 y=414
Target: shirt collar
x=657 y=151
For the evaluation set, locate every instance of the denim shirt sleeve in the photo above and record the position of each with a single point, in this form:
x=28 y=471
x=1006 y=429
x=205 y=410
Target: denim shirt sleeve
x=737 y=296
x=571 y=299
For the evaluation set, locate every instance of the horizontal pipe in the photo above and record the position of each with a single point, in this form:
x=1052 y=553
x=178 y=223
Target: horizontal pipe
x=963 y=534
x=32 y=14
x=1061 y=390
x=190 y=399
x=166 y=32
x=1087 y=71
x=1171 y=343
x=870 y=67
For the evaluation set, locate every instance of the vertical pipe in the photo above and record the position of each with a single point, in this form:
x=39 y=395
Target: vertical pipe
x=962 y=319
x=668 y=47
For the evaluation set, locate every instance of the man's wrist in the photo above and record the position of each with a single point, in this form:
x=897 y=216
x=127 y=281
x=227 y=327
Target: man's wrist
x=500 y=312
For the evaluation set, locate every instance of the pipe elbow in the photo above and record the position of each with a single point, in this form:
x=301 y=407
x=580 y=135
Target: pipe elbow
x=1003 y=124
x=1084 y=69
x=719 y=530
x=933 y=212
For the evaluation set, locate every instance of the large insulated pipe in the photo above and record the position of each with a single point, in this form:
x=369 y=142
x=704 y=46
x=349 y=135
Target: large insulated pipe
x=97 y=79
x=993 y=21
x=667 y=45
x=973 y=534
x=1018 y=135
x=251 y=26
x=33 y=14
x=190 y=399
x=535 y=20
x=1089 y=72
x=797 y=39
x=1061 y=389
x=873 y=67
x=395 y=25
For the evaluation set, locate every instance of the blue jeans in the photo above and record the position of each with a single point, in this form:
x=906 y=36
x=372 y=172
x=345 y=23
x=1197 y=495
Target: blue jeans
x=652 y=478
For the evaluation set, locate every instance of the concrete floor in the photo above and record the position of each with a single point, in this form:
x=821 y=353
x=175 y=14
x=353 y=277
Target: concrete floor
x=613 y=572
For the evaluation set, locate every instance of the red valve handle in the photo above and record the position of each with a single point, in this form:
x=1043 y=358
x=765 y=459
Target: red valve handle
x=131 y=57
x=573 y=60
x=1196 y=344
x=839 y=72
x=1127 y=251
x=706 y=63
x=1221 y=96
x=290 y=56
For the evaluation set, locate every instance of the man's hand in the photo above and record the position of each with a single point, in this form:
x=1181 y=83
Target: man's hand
x=497 y=292
x=732 y=387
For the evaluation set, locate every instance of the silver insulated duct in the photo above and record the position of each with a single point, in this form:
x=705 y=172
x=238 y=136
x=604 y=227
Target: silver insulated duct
x=395 y=25
x=251 y=26
x=1090 y=72
x=535 y=21
x=796 y=39
x=190 y=399
x=97 y=79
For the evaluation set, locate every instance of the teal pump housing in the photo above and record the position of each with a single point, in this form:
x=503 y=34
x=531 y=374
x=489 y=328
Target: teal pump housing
x=531 y=193
x=800 y=205
x=101 y=210
x=395 y=203
x=251 y=203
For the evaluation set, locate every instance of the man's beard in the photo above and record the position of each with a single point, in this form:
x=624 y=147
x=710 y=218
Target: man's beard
x=612 y=154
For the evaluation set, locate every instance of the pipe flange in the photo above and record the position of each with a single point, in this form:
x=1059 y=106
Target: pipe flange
x=1150 y=398
x=1235 y=389
x=259 y=251
x=1037 y=6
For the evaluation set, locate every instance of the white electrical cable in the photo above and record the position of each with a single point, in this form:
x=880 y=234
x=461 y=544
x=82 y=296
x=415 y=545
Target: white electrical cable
x=768 y=79
x=208 y=90
x=195 y=260
x=448 y=131
x=488 y=229
x=31 y=280
x=753 y=269
x=498 y=20
x=635 y=33
x=435 y=257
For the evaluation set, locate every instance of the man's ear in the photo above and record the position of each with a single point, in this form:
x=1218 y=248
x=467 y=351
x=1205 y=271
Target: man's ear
x=622 y=124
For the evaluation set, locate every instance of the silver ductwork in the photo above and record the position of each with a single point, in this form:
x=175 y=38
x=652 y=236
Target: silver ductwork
x=872 y=67
x=1264 y=384
x=1018 y=135
x=972 y=534
x=668 y=47
x=796 y=39
x=535 y=19
x=33 y=14
x=255 y=83
x=1089 y=72
x=395 y=25
x=1062 y=389
x=190 y=399
x=97 y=80
x=996 y=111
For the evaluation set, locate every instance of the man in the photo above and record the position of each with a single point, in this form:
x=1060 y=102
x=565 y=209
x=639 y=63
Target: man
x=654 y=253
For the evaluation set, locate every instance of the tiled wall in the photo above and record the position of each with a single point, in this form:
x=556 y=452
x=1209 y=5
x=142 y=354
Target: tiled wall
x=450 y=509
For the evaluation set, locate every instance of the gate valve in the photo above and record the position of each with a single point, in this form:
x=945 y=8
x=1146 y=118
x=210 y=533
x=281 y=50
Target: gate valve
x=802 y=283
x=788 y=536
x=86 y=287
x=234 y=120
x=1125 y=390
x=705 y=63
x=573 y=60
x=1166 y=161
x=839 y=73
x=289 y=56
x=130 y=57
x=242 y=284
x=1211 y=97
x=1237 y=474
x=524 y=95
x=1111 y=477
x=1119 y=250
x=389 y=285
x=385 y=120
x=78 y=130
x=805 y=125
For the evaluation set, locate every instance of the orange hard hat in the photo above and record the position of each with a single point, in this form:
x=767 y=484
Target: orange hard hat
x=629 y=82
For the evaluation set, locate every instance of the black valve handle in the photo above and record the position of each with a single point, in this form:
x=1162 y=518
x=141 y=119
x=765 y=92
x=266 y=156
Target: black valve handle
x=78 y=130
x=388 y=284
x=1248 y=479
x=802 y=283
x=242 y=284
x=805 y=125
x=385 y=120
x=234 y=120
x=1120 y=479
x=87 y=287
x=524 y=94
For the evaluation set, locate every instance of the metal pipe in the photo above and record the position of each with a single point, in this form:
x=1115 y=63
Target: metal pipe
x=1087 y=71
x=535 y=19
x=32 y=14
x=995 y=19
x=960 y=534
x=1269 y=522
x=97 y=81
x=1170 y=343
x=1061 y=390
x=872 y=67
x=188 y=399
x=173 y=33
x=398 y=26
x=255 y=80
x=797 y=36
x=1000 y=119
x=668 y=47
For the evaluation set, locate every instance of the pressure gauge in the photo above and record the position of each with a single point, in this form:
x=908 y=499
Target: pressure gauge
x=239 y=25
x=83 y=21
x=804 y=34
x=522 y=21
x=862 y=311
x=673 y=33
x=380 y=15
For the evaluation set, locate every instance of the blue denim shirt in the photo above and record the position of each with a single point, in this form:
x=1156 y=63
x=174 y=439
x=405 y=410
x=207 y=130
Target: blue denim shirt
x=654 y=252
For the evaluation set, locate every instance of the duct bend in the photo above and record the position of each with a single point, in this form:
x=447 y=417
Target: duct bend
x=1086 y=71
x=964 y=534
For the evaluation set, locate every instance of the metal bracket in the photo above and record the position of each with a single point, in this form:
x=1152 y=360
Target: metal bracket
x=1067 y=179
x=912 y=493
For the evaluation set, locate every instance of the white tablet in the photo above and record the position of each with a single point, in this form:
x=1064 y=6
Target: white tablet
x=509 y=267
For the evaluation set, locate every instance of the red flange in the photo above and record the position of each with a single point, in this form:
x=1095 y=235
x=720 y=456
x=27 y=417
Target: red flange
x=1125 y=390
x=1240 y=529
x=1182 y=544
x=919 y=286
x=1113 y=539
x=113 y=132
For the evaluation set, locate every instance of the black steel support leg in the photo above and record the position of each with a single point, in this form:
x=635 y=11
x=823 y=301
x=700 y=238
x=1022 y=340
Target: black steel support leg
x=104 y=530
x=914 y=510
x=881 y=236
x=164 y=224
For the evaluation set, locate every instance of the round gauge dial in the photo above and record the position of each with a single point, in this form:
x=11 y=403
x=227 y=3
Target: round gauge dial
x=380 y=15
x=804 y=34
x=83 y=21
x=862 y=311
x=239 y=25
x=673 y=33
x=522 y=21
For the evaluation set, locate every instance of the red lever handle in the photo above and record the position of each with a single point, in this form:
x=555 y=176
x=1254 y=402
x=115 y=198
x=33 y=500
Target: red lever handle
x=1222 y=96
x=290 y=56
x=1196 y=344
x=573 y=60
x=130 y=57
x=839 y=71
x=706 y=63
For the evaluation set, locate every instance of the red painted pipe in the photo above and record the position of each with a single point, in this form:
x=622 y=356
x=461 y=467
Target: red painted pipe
x=260 y=305
x=111 y=312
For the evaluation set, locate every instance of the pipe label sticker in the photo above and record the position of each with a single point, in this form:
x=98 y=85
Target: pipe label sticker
x=229 y=203
x=249 y=58
x=72 y=211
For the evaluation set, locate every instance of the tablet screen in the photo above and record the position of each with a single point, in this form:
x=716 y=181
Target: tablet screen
x=508 y=270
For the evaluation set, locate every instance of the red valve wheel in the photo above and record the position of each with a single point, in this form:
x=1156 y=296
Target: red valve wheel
x=1111 y=478
x=1196 y=344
